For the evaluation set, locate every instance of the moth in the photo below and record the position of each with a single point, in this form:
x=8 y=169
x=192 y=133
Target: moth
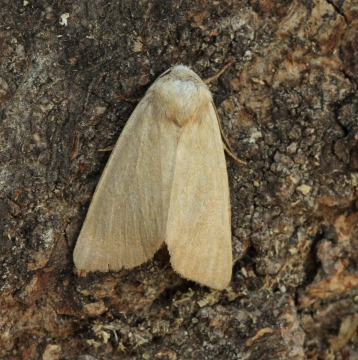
x=165 y=181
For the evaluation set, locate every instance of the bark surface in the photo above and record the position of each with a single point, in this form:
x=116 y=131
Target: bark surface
x=289 y=107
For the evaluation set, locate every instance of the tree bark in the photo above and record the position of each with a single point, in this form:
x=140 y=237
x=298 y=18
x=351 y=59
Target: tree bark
x=289 y=108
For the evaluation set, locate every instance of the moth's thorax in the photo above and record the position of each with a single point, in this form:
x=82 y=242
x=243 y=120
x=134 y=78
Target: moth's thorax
x=180 y=95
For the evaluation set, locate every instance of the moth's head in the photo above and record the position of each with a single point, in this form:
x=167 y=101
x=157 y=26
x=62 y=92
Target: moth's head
x=181 y=94
x=183 y=73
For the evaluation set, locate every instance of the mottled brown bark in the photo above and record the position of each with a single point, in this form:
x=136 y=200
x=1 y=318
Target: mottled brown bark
x=289 y=108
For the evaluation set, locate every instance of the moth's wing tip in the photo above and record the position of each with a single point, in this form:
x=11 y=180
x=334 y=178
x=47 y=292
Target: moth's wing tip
x=86 y=262
x=84 y=269
x=211 y=282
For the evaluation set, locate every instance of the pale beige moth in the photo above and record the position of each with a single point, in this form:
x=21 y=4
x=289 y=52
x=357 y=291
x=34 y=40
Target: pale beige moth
x=166 y=181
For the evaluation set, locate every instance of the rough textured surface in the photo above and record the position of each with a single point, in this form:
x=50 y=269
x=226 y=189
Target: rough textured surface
x=289 y=108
